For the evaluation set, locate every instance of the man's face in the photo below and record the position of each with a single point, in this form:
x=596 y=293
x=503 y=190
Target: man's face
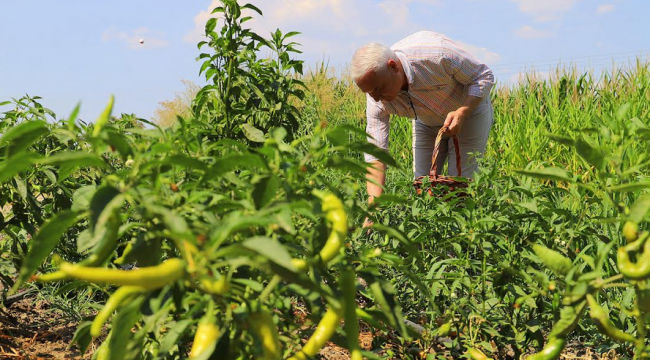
x=383 y=85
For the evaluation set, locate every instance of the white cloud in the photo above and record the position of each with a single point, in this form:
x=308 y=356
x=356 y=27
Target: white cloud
x=331 y=30
x=544 y=11
x=483 y=54
x=530 y=33
x=605 y=8
x=152 y=39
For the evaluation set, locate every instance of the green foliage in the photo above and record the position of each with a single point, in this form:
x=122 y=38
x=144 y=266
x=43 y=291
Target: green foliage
x=229 y=189
x=248 y=95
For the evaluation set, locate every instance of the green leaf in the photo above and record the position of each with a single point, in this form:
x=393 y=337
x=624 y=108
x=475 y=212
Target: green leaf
x=85 y=241
x=82 y=336
x=123 y=322
x=252 y=133
x=562 y=139
x=270 y=249
x=50 y=175
x=101 y=198
x=290 y=34
x=284 y=220
x=530 y=205
x=17 y=164
x=173 y=335
x=205 y=65
x=120 y=143
x=175 y=223
x=218 y=9
x=260 y=94
x=640 y=209
x=21 y=186
x=210 y=25
x=23 y=135
x=350 y=129
x=621 y=112
x=105 y=232
x=375 y=151
x=43 y=243
x=103 y=118
x=631 y=187
x=593 y=155
x=549 y=173
x=185 y=162
x=232 y=162
x=265 y=190
x=346 y=165
x=76 y=159
x=73 y=117
x=252 y=7
x=233 y=222
x=148 y=133
x=385 y=297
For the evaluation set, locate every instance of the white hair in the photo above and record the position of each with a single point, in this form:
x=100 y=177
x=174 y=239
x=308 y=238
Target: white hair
x=370 y=57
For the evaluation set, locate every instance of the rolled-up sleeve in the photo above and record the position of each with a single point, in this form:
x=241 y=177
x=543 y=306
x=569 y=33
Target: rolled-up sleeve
x=467 y=70
x=377 y=127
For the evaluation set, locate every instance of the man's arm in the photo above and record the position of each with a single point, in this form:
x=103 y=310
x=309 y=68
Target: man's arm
x=468 y=71
x=378 y=127
x=376 y=176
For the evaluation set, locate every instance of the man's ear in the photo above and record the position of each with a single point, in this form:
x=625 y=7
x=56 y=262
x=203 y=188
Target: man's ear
x=392 y=64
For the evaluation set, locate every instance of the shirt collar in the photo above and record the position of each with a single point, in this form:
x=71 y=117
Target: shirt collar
x=406 y=65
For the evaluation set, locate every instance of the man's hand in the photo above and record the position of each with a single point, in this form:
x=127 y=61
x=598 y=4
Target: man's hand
x=455 y=120
x=368 y=223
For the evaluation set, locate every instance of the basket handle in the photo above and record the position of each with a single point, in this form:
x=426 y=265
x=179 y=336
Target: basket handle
x=436 y=149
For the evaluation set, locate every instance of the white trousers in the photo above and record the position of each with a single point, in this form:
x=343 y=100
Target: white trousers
x=471 y=139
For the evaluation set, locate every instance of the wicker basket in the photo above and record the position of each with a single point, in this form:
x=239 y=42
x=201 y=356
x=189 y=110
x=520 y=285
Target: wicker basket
x=443 y=184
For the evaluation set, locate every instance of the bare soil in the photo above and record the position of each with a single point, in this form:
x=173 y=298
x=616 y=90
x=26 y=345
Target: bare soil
x=30 y=330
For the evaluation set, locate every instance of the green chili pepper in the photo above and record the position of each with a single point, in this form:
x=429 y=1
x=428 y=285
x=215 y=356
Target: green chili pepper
x=555 y=261
x=324 y=331
x=635 y=271
x=336 y=215
x=569 y=317
x=103 y=352
x=476 y=354
x=216 y=287
x=264 y=329
x=600 y=317
x=551 y=351
x=631 y=231
x=114 y=301
x=206 y=336
x=444 y=329
x=152 y=277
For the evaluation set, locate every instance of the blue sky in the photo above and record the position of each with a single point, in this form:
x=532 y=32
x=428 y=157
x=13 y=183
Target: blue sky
x=85 y=50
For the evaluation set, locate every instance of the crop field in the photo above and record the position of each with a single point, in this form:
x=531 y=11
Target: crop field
x=236 y=232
